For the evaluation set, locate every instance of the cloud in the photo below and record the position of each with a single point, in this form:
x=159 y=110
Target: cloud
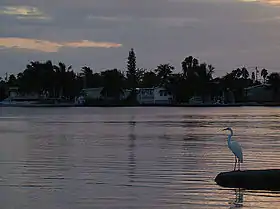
x=225 y=33
x=48 y=46
x=271 y=2
x=24 y=12
x=86 y=43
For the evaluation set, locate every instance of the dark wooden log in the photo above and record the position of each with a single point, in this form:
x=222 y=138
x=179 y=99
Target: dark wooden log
x=250 y=179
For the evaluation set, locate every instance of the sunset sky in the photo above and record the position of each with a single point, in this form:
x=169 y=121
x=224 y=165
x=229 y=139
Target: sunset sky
x=99 y=33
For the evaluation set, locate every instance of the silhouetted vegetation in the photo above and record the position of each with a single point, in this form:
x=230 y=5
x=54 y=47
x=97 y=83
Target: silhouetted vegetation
x=193 y=79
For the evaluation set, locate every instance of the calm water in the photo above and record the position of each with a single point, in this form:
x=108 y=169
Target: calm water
x=64 y=158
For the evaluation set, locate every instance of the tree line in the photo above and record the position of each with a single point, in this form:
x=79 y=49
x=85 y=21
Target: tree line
x=194 y=79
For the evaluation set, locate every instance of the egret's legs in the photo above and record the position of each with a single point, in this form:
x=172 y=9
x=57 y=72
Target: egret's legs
x=235 y=163
x=239 y=165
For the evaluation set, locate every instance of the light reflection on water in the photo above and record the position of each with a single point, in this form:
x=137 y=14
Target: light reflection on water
x=132 y=157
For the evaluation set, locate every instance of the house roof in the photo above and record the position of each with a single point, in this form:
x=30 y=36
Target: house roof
x=258 y=86
x=93 y=89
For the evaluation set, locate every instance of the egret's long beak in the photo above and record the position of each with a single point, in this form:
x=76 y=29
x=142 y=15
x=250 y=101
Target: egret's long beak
x=224 y=129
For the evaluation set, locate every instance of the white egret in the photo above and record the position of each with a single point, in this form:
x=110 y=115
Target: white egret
x=235 y=148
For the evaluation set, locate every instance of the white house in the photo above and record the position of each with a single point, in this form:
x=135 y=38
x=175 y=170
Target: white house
x=259 y=93
x=162 y=96
x=95 y=93
x=157 y=95
x=14 y=93
x=125 y=94
x=92 y=93
x=145 y=95
x=15 y=98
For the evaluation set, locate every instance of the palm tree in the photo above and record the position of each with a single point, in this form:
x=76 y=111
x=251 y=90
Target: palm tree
x=163 y=71
x=264 y=74
x=31 y=78
x=47 y=78
x=113 y=83
x=2 y=89
x=244 y=73
x=253 y=76
x=274 y=80
x=87 y=75
x=238 y=73
x=210 y=71
x=149 y=80
x=61 y=76
x=188 y=64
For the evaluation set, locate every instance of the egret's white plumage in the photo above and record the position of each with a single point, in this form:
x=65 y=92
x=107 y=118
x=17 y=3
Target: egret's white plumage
x=235 y=147
x=237 y=150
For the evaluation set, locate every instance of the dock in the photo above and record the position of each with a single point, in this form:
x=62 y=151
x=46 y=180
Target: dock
x=268 y=179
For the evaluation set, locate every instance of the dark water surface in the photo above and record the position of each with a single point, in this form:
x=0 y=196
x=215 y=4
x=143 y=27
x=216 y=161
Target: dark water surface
x=64 y=158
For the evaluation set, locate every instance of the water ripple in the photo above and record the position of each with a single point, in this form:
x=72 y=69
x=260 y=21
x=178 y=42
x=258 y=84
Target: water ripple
x=132 y=157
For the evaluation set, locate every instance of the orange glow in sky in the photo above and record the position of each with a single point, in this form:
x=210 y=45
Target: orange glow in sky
x=272 y=2
x=48 y=46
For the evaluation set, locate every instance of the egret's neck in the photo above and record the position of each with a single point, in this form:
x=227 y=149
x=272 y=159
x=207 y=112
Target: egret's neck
x=229 y=136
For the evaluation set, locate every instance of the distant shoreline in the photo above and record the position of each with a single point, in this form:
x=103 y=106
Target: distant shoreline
x=143 y=105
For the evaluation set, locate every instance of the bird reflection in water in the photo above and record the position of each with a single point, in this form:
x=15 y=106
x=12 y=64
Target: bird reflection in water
x=131 y=149
x=238 y=201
